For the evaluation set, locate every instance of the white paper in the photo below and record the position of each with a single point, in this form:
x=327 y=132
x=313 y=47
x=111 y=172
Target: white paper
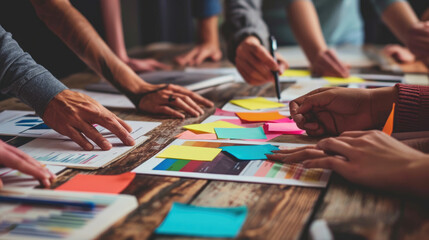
x=109 y=99
x=14 y=178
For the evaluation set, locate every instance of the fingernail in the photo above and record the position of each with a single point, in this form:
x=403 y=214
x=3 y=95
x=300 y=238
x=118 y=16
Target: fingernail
x=130 y=141
x=106 y=144
x=88 y=147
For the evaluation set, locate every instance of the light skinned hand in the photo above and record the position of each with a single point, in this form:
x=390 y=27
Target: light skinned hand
x=418 y=41
x=169 y=99
x=146 y=65
x=398 y=53
x=326 y=63
x=73 y=114
x=16 y=159
x=199 y=54
x=371 y=158
x=331 y=111
x=255 y=63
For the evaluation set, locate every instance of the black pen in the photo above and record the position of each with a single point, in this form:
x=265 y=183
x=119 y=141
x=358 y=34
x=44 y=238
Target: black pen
x=273 y=48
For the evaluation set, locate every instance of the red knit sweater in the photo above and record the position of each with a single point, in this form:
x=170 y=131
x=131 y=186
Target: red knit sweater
x=412 y=108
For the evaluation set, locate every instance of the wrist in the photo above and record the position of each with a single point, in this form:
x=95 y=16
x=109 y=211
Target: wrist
x=382 y=100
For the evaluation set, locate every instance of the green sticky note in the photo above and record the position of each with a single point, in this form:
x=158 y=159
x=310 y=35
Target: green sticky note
x=196 y=221
x=250 y=152
x=241 y=133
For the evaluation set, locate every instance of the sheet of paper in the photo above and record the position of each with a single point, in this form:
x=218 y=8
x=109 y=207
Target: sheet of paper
x=285 y=128
x=296 y=73
x=189 y=135
x=256 y=152
x=196 y=221
x=113 y=184
x=189 y=153
x=109 y=99
x=68 y=153
x=301 y=88
x=228 y=168
x=337 y=80
x=209 y=127
x=241 y=133
x=256 y=103
x=259 y=116
x=14 y=178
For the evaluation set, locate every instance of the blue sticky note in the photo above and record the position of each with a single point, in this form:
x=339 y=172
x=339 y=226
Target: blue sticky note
x=250 y=152
x=241 y=133
x=190 y=220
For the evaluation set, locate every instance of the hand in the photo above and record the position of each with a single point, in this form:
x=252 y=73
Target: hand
x=165 y=99
x=73 y=114
x=332 y=111
x=200 y=53
x=326 y=63
x=399 y=54
x=146 y=65
x=256 y=64
x=418 y=41
x=14 y=158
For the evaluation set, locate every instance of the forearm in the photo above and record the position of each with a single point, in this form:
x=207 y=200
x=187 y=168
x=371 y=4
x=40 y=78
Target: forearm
x=400 y=17
x=208 y=30
x=425 y=16
x=68 y=24
x=112 y=19
x=306 y=27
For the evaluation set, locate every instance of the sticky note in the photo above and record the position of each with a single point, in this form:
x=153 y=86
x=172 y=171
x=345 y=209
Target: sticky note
x=241 y=133
x=209 y=127
x=189 y=135
x=189 y=153
x=220 y=112
x=196 y=221
x=256 y=103
x=98 y=183
x=286 y=128
x=259 y=116
x=388 y=126
x=250 y=152
x=336 y=80
x=296 y=73
x=283 y=120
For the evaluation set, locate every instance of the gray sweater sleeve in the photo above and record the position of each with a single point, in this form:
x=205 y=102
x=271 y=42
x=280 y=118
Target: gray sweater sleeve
x=22 y=77
x=243 y=19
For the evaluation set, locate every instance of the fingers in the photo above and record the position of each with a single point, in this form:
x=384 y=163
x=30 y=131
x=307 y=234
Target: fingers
x=327 y=64
x=297 y=156
x=335 y=146
x=111 y=123
x=124 y=124
x=179 y=103
x=335 y=163
x=169 y=111
x=77 y=137
x=187 y=58
x=194 y=96
x=252 y=74
x=283 y=65
x=95 y=136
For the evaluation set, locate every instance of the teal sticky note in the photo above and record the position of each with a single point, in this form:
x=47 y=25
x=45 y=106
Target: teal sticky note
x=250 y=152
x=241 y=133
x=190 y=220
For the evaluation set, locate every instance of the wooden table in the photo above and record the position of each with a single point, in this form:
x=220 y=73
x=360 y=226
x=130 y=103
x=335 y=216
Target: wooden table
x=275 y=211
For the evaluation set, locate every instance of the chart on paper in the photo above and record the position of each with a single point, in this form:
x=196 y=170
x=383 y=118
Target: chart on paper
x=226 y=167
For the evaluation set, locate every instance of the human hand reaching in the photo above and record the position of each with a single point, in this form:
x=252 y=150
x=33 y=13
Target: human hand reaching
x=256 y=64
x=73 y=114
x=199 y=54
x=16 y=159
x=146 y=65
x=399 y=54
x=168 y=99
x=326 y=63
x=418 y=41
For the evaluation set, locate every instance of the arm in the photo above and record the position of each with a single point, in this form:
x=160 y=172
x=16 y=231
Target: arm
x=306 y=27
x=247 y=37
x=68 y=24
x=111 y=12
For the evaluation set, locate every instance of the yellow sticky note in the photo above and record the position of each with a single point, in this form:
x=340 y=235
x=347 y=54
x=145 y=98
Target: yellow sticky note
x=336 y=80
x=189 y=153
x=209 y=127
x=296 y=73
x=256 y=103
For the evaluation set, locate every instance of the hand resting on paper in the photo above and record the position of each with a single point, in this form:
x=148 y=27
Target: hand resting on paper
x=326 y=63
x=14 y=158
x=331 y=111
x=73 y=114
x=371 y=158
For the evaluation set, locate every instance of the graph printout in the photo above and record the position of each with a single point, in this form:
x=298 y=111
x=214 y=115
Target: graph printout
x=228 y=168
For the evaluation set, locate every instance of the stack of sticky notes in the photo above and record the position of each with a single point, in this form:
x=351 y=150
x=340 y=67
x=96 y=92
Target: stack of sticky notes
x=196 y=221
x=283 y=128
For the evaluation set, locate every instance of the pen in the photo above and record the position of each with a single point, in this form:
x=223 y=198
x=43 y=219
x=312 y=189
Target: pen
x=273 y=47
x=50 y=202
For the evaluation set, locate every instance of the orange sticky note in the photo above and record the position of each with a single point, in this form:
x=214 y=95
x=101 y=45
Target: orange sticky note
x=388 y=126
x=259 y=116
x=98 y=183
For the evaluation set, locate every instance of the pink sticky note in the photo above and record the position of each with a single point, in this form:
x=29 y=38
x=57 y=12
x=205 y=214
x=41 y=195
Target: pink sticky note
x=283 y=120
x=220 y=112
x=285 y=128
x=189 y=135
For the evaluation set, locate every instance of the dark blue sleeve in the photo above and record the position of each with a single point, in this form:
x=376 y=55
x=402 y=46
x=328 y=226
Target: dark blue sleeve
x=205 y=8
